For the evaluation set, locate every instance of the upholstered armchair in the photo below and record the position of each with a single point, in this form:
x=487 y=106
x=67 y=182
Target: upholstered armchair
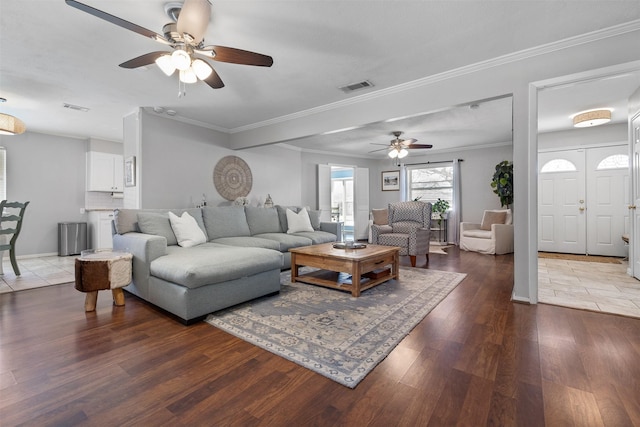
x=409 y=228
x=493 y=236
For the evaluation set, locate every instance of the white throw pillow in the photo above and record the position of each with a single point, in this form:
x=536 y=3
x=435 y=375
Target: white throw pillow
x=186 y=230
x=298 y=222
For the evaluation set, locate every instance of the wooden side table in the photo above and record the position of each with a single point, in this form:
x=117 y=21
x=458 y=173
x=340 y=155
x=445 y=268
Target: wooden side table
x=98 y=270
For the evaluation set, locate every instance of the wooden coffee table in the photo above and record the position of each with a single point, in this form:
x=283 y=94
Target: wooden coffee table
x=365 y=268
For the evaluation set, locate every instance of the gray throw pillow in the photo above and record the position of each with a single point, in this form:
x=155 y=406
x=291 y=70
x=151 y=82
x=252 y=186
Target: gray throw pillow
x=157 y=224
x=314 y=217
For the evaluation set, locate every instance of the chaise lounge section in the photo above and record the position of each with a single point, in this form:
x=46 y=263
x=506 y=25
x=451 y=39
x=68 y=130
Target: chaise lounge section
x=245 y=249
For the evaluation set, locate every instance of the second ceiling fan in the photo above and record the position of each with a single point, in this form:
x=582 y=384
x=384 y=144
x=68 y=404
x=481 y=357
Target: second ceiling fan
x=398 y=148
x=186 y=37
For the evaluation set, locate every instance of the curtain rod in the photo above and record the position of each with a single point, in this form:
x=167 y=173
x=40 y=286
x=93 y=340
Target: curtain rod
x=432 y=163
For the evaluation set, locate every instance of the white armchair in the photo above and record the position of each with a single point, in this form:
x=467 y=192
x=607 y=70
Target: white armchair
x=493 y=236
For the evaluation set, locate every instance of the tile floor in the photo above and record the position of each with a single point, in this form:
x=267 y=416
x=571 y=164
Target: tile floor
x=588 y=285
x=37 y=272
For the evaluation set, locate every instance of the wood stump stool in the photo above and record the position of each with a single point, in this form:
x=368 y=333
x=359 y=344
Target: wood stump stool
x=98 y=270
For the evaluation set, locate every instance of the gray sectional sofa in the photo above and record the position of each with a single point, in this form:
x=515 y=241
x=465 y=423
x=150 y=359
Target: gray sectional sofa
x=245 y=250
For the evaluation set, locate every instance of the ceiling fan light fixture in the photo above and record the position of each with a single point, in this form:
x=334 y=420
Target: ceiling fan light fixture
x=181 y=59
x=165 y=63
x=10 y=125
x=393 y=153
x=402 y=153
x=188 y=76
x=591 y=118
x=201 y=68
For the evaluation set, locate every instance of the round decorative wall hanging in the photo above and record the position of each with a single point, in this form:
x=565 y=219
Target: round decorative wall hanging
x=232 y=177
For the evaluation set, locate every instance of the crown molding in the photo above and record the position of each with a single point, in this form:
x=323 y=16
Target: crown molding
x=590 y=37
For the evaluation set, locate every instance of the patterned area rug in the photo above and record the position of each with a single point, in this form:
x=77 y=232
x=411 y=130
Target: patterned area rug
x=332 y=333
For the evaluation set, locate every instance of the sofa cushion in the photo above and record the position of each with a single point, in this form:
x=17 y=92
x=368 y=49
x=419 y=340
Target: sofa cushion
x=210 y=263
x=380 y=216
x=287 y=241
x=157 y=224
x=186 y=229
x=317 y=237
x=126 y=220
x=262 y=220
x=248 y=242
x=479 y=234
x=314 y=217
x=492 y=217
x=298 y=222
x=225 y=221
x=282 y=216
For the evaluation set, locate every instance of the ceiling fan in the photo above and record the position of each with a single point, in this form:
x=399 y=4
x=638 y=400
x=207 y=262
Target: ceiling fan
x=398 y=147
x=186 y=38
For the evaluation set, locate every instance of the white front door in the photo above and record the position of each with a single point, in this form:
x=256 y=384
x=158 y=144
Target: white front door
x=561 y=202
x=607 y=200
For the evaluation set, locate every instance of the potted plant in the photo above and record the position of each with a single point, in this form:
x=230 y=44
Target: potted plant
x=502 y=182
x=439 y=208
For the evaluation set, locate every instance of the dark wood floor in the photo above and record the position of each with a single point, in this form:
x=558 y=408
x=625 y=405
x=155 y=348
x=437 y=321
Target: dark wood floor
x=476 y=359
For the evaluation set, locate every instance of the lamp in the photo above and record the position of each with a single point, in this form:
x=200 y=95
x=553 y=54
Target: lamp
x=10 y=125
x=591 y=118
x=165 y=64
x=399 y=152
x=181 y=59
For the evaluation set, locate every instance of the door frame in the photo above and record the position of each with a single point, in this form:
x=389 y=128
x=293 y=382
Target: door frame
x=532 y=168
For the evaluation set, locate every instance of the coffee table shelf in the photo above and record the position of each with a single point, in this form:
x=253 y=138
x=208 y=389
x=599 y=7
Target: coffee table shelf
x=383 y=261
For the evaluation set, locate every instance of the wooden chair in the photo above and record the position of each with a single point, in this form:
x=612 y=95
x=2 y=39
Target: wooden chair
x=10 y=225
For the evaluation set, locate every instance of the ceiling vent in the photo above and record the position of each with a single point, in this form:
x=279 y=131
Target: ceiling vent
x=75 y=107
x=356 y=86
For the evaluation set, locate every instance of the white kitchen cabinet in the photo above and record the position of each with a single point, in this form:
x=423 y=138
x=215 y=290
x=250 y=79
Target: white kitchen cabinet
x=105 y=172
x=100 y=229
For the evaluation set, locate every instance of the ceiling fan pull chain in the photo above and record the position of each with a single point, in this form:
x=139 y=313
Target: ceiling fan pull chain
x=182 y=90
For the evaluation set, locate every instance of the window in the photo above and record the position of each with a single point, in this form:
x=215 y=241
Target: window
x=3 y=174
x=558 y=165
x=617 y=161
x=430 y=183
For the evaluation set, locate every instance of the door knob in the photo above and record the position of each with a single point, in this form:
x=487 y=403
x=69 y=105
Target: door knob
x=632 y=206
x=581 y=208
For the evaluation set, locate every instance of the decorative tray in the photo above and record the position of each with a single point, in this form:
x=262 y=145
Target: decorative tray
x=344 y=246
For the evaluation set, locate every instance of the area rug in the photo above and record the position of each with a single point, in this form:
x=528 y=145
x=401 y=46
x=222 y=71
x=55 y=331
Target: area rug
x=576 y=257
x=332 y=333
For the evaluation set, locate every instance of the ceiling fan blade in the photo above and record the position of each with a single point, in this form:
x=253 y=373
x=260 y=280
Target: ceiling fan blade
x=409 y=141
x=412 y=146
x=194 y=19
x=239 y=56
x=115 y=20
x=141 y=61
x=375 y=151
x=214 y=80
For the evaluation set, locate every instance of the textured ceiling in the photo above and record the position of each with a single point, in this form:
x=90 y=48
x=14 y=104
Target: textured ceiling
x=51 y=54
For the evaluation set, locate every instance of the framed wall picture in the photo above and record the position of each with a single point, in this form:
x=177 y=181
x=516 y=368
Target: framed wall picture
x=130 y=172
x=390 y=180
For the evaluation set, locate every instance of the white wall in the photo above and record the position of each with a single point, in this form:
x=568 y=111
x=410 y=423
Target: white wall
x=176 y=162
x=581 y=137
x=48 y=171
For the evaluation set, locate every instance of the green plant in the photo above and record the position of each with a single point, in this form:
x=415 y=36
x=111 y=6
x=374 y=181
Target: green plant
x=440 y=207
x=502 y=182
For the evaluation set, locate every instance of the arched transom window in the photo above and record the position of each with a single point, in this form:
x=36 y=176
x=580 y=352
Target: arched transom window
x=558 y=165
x=616 y=161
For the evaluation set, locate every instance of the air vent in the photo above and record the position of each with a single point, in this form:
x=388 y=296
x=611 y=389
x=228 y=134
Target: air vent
x=356 y=86
x=75 y=107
